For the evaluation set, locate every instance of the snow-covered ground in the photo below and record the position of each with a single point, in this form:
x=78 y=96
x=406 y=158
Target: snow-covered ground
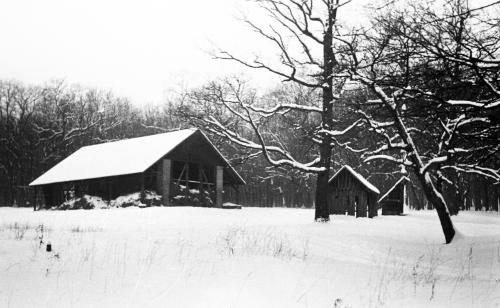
x=254 y=257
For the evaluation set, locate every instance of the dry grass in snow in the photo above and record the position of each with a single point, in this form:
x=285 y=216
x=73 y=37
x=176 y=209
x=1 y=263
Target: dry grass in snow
x=202 y=257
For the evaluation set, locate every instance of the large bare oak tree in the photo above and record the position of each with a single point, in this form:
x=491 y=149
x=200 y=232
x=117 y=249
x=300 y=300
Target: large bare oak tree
x=303 y=33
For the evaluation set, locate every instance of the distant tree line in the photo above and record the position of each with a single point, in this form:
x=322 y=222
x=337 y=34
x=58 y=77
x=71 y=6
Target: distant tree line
x=41 y=125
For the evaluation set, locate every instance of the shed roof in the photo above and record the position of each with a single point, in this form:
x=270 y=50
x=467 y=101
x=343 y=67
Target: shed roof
x=358 y=176
x=401 y=180
x=122 y=157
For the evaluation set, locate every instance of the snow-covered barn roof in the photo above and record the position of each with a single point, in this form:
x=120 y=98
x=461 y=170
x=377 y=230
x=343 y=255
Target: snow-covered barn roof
x=122 y=157
x=358 y=176
x=403 y=178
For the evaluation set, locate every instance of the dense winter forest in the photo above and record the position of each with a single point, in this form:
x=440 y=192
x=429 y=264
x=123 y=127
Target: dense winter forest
x=408 y=96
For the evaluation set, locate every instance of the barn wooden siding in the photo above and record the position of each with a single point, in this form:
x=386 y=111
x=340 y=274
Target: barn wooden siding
x=349 y=196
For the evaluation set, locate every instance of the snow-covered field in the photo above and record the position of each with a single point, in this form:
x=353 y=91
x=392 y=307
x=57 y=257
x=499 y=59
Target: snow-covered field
x=202 y=257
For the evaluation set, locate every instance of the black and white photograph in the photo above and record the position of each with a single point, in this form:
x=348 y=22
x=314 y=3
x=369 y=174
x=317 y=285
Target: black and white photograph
x=250 y=153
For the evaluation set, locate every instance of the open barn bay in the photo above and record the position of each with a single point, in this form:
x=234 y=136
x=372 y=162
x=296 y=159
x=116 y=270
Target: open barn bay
x=254 y=257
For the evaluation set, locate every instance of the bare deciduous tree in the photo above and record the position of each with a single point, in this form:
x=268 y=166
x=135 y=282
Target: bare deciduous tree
x=445 y=66
x=304 y=33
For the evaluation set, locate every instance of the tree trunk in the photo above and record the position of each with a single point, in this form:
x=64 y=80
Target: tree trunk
x=322 y=212
x=436 y=199
x=434 y=195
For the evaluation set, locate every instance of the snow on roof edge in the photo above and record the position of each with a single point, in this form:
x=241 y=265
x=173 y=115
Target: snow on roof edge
x=79 y=179
x=364 y=181
x=193 y=129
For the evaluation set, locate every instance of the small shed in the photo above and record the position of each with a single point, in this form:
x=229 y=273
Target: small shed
x=393 y=201
x=176 y=165
x=352 y=194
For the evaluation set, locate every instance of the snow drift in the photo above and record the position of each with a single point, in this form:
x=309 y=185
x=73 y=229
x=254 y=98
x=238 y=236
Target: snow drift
x=88 y=202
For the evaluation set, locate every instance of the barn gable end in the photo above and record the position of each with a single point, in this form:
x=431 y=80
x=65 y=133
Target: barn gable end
x=352 y=194
x=392 y=202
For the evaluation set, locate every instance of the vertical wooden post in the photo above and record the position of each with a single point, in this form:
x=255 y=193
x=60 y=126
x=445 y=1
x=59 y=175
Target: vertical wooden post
x=355 y=205
x=237 y=190
x=219 y=185
x=159 y=169
x=372 y=205
x=371 y=209
x=166 y=177
x=60 y=194
x=141 y=179
x=187 y=178
x=405 y=201
x=36 y=199
x=46 y=197
x=200 y=185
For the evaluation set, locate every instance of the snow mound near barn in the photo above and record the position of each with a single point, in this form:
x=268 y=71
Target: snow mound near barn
x=88 y=202
x=150 y=199
x=188 y=197
x=85 y=202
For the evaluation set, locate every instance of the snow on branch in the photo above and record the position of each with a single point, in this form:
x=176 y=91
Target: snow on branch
x=376 y=125
x=388 y=158
x=336 y=133
x=220 y=130
x=347 y=145
x=380 y=129
x=473 y=104
x=474 y=121
x=433 y=162
x=290 y=161
x=470 y=168
x=285 y=107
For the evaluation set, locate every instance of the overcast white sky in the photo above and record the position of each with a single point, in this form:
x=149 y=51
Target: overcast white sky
x=137 y=48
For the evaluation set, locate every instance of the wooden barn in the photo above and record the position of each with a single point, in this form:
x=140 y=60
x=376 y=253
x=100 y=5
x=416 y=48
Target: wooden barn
x=352 y=194
x=179 y=165
x=393 y=201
